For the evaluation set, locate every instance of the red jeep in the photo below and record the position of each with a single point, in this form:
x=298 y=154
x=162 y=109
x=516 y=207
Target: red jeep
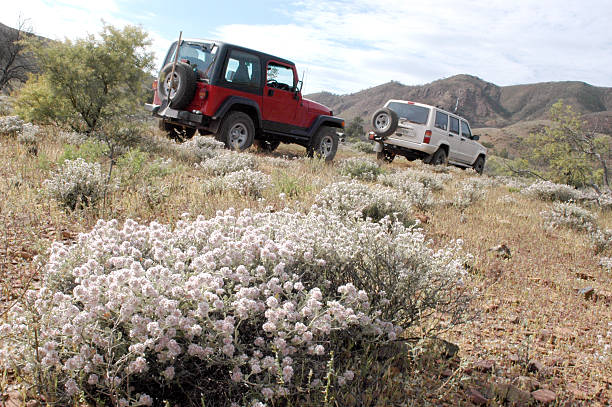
x=241 y=96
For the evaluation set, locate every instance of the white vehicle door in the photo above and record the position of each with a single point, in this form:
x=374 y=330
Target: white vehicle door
x=467 y=146
x=441 y=133
x=453 y=138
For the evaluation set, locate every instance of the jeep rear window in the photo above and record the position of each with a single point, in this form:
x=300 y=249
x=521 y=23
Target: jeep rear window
x=200 y=55
x=412 y=113
x=441 y=120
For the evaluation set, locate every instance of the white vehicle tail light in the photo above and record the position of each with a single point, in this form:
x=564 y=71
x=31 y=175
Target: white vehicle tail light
x=427 y=137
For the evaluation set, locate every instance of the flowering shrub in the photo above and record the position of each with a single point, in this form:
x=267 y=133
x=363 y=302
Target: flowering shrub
x=77 y=184
x=245 y=182
x=473 y=190
x=355 y=199
x=200 y=148
x=549 y=191
x=360 y=168
x=606 y=263
x=282 y=162
x=10 y=125
x=364 y=147
x=601 y=239
x=6 y=105
x=570 y=215
x=73 y=138
x=244 y=308
x=27 y=137
x=228 y=162
x=431 y=180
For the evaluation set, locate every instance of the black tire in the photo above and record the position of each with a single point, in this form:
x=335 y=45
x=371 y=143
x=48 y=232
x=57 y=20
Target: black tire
x=324 y=144
x=185 y=81
x=479 y=164
x=175 y=131
x=439 y=157
x=267 y=145
x=385 y=155
x=237 y=131
x=384 y=122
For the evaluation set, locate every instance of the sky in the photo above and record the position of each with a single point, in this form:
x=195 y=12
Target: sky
x=345 y=46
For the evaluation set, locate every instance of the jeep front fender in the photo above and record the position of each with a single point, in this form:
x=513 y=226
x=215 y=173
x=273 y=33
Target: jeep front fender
x=329 y=121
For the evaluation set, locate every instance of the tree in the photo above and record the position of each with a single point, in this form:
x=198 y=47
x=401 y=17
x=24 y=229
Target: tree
x=92 y=81
x=15 y=63
x=569 y=153
x=354 y=130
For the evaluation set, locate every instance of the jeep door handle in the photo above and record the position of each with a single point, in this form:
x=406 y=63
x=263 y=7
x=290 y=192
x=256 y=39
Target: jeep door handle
x=462 y=139
x=270 y=92
x=450 y=135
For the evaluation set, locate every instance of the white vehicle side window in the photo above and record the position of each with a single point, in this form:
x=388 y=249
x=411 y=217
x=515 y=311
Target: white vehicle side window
x=465 y=129
x=441 y=120
x=454 y=125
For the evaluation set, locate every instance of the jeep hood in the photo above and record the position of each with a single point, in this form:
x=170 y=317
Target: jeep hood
x=313 y=106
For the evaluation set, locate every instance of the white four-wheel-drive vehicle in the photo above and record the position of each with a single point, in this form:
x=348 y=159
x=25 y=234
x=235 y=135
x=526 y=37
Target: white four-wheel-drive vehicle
x=420 y=131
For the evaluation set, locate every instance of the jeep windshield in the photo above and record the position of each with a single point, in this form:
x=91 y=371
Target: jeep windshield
x=412 y=113
x=200 y=55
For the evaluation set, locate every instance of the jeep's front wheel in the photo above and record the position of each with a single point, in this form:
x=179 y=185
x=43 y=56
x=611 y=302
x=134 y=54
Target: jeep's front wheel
x=325 y=144
x=237 y=131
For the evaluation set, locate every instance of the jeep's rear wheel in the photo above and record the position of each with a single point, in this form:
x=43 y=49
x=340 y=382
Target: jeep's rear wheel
x=479 y=164
x=180 y=89
x=385 y=155
x=237 y=131
x=439 y=157
x=267 y=145
x=384 y=122
x=325 y=144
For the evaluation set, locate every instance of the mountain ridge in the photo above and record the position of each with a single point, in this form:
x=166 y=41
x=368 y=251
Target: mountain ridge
x=483 y=103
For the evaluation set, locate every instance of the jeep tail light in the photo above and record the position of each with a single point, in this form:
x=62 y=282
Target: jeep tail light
x=203 y=94
x=154 y=85
x=427 y=137
x=371 y=135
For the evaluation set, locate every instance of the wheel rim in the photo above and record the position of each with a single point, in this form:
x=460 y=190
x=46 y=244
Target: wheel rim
x=326 y=146
x=171 y=86
x=238 y=135
x=382 y=122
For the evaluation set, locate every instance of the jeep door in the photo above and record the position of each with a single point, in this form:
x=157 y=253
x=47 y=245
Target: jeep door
x=280 y=103
x=467 y=147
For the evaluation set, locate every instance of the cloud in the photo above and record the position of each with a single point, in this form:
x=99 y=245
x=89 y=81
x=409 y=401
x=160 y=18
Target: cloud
x=351 y=45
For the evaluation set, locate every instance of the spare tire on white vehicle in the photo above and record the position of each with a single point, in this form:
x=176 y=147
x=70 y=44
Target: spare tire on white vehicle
x=384 y=122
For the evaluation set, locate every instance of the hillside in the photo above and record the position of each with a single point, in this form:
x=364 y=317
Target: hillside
x=483 y=103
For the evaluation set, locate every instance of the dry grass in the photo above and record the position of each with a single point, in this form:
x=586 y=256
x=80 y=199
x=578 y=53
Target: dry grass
x=528 y=306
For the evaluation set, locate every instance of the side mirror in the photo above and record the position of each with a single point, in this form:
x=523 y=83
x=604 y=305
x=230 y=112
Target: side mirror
x=475 y=137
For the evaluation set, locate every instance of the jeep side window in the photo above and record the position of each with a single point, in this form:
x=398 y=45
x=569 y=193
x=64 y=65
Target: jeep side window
x=243 y=69
x=441 y=120
x=280 y=77
x=465 y=129
x=454 y=125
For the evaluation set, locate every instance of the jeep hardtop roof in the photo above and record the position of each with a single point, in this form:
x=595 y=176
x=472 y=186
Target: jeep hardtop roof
x=223 y=45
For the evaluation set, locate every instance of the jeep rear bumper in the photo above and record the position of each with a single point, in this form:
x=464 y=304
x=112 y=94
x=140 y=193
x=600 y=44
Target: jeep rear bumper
x=165 y=112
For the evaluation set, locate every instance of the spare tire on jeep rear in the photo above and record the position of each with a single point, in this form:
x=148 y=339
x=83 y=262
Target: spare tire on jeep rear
x=180 y=93
x=384 y=122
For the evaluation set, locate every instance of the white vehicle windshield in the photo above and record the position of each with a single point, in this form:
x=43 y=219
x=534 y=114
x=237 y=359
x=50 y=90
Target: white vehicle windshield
x=200 y=55
x=412 y=113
